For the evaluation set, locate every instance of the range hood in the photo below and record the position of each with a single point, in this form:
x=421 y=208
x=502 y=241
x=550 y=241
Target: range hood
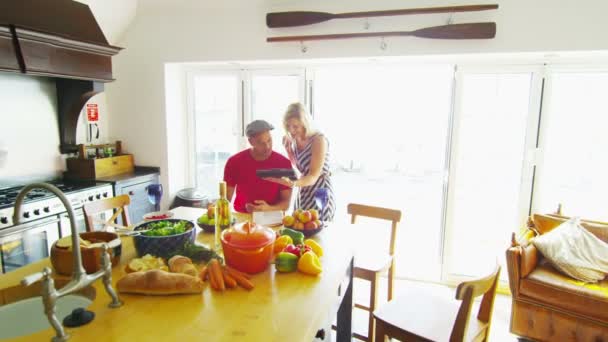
x=60 y=39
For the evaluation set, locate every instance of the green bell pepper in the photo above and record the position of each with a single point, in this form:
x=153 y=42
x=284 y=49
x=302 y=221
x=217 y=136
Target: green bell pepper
x=296 y=236
x=286 y=262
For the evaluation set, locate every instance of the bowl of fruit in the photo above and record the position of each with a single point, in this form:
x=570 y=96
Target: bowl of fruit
x=306 y=221
x=207 y=221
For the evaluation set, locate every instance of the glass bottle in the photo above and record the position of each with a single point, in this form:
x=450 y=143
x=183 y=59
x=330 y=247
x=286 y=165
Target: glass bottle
x=223 y=216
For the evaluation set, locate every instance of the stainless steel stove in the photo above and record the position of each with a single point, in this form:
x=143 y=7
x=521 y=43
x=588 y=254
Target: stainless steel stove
x=44 y=219
x=41 y=203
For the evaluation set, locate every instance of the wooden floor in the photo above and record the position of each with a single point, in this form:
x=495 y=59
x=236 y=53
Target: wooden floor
x=500 y=320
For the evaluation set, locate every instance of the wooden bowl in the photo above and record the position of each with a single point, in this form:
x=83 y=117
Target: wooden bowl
x=61 y=258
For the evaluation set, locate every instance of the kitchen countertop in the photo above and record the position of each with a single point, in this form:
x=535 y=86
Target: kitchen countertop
x=281 y=307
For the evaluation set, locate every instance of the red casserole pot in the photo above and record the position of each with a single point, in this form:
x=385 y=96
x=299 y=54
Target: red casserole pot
x=248 y=247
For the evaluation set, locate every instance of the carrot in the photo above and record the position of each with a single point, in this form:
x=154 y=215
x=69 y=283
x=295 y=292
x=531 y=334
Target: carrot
x=240 y=279
x=212 y=279
x=203 y=273
x=242 y=274
x=215 y=269
x=228 y=279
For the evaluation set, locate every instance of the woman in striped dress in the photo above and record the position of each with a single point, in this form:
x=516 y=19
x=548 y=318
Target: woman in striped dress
x=308 y=151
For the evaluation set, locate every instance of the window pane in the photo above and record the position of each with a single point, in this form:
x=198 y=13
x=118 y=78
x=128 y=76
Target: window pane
x=270 y=96
x=387 y=128
x=486 y=170
x=573 y=169
x=216 y=127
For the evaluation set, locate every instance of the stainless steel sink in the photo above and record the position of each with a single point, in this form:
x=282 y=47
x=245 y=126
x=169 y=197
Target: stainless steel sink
x=27 y=316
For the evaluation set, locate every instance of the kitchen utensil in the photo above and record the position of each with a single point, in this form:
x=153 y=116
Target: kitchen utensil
x=453 y=31
x=61 y=258
x=300 y=18
x=248 y=247
x=190 y=197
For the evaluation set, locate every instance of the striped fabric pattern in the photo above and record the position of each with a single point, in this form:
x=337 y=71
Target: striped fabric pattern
x=305 y=199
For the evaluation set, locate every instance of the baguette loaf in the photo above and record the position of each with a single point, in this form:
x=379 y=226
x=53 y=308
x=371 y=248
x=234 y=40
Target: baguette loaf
x=182 y=264
x=157 y=282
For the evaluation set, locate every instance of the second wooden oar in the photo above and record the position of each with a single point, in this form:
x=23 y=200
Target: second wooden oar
x=453 y=31
x=300 y=18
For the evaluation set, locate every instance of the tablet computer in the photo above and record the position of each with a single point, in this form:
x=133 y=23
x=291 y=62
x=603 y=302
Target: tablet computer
x=278 y=173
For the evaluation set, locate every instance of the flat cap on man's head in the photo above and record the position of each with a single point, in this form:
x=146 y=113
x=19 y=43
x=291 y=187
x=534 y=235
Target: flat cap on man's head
x=256 y=127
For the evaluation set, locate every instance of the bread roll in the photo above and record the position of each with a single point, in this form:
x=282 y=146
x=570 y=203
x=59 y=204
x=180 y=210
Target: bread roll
x=145 y=263
x=182 y=264
x=156 y=282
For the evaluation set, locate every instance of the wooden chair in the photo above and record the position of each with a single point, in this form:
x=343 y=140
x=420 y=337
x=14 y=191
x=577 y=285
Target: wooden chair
x=119 y=204
x=370 y=268
x=421 y=316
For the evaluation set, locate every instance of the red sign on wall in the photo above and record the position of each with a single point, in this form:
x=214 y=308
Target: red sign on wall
x=92 y=112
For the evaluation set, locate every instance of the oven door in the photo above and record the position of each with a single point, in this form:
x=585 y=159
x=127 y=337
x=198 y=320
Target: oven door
x=26 y=243
x=81 y=223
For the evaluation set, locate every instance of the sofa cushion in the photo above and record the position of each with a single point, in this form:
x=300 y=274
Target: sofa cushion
x=575 y=251
x=545 y=284
x=543 y=223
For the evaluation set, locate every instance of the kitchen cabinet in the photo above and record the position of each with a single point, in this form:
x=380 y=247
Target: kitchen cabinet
x=8 y=57
x=134 y=184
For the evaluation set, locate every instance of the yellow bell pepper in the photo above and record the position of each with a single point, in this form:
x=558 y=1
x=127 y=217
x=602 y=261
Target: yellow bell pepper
x=309 y=264
x=281 y=242
x=315 y=246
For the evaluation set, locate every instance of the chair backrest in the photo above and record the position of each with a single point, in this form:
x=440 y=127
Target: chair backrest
x=392 y=215
x=119 y=204
x=466 y=292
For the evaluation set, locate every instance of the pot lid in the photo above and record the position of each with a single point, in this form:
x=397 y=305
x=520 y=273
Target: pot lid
x=191 y=194
x=248 y=235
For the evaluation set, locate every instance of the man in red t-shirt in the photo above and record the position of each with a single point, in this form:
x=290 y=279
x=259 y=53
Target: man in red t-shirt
x=254 y=193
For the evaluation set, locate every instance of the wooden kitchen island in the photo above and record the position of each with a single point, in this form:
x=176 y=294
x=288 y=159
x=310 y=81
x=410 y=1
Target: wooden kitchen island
x=281 y=307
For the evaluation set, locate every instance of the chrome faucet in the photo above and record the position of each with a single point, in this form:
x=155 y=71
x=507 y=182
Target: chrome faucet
x=80 y=279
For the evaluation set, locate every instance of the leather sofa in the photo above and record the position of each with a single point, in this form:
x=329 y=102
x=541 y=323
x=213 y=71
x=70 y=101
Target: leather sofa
x=548 y=305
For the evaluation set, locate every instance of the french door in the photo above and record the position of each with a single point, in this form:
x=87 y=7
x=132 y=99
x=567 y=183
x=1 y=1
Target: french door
x=491 y=168
x=572 y=166
x=388 y=127
x=470 y=154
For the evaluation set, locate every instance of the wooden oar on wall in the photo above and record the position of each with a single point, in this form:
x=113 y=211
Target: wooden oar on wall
x=300 y=18
x=452 y=31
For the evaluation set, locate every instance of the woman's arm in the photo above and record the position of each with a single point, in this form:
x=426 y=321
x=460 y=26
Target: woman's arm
x=288 y=144
x=319 y=148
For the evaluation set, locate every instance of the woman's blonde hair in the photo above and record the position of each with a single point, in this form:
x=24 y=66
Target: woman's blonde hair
x=297 y=110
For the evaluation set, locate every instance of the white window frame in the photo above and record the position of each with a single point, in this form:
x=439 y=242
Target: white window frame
x=190 y=122
x=549 y=70
x=244 y=74
x=531 y=135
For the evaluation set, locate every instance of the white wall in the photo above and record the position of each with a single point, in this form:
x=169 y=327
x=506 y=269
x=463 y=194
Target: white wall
x=195 y=31
x=29 y=128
